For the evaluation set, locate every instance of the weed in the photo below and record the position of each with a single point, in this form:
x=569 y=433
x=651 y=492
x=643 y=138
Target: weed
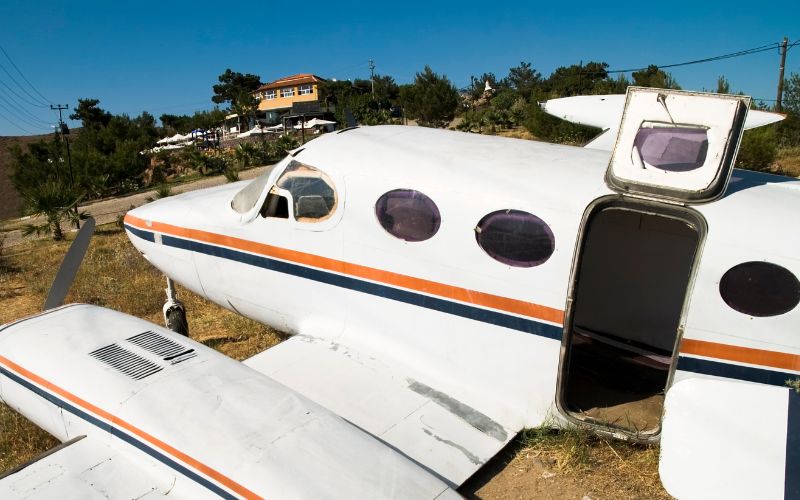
x=163 y=190
x=231 y=174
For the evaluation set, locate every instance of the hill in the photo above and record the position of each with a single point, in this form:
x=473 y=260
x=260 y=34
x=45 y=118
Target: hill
x=10 y=200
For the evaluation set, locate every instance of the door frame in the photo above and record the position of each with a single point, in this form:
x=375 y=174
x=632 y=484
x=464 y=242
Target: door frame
x=674 y=211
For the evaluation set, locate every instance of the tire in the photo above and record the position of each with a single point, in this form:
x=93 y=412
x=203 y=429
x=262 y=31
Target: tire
x=176 y=321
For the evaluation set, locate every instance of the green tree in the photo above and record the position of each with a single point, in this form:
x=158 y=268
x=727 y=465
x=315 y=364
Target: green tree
x=477 y=85
x=524 y=79
x=90 y=115
x=788 y=130
x=204 y=120
x=433 y=100
x=654 y=77
x=245 y=106
x=723 y=85
x=791 y=94
x=232 y=85
x=578 y=79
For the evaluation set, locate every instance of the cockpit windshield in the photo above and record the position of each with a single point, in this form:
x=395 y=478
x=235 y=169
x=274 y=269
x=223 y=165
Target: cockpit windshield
x=246 y=199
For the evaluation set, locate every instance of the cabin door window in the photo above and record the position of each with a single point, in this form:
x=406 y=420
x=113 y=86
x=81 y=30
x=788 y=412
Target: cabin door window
x=631 y=280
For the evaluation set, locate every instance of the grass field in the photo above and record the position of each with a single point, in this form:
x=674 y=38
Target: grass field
x=540 y=463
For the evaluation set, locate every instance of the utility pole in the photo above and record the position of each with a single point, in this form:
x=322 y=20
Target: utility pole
x=783 y=46
x=372 y=76
x=64 y=131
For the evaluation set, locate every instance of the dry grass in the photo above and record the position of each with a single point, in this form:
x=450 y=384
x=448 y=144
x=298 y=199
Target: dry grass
x=787 y=162
x=603 y=462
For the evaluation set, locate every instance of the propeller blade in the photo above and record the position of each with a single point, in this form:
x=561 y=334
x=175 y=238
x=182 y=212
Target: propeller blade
x=69 y=266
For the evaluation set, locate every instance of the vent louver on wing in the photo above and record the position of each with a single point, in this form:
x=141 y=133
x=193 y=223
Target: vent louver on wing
x=126 y=362
x=167 y=349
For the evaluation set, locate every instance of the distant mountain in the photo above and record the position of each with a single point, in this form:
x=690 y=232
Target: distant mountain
x=10 y=200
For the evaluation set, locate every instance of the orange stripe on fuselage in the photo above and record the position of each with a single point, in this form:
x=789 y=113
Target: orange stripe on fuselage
x=740 y=354
x=421 y=285
x=208 y=471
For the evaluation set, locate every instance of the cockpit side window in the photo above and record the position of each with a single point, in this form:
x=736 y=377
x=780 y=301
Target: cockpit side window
x=312 y=193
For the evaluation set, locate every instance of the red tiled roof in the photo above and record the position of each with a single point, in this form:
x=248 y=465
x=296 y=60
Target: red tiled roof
x=286 y=81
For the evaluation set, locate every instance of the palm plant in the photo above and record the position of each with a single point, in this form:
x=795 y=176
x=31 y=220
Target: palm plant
x=54 y=201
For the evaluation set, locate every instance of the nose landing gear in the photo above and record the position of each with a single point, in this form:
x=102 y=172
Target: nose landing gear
x=174 y=311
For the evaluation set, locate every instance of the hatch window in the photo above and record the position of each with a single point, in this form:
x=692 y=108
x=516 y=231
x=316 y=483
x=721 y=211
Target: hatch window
x=516 y=238
x=760 y=289
x=408 y=214
x=313 y=196
x=670 y=148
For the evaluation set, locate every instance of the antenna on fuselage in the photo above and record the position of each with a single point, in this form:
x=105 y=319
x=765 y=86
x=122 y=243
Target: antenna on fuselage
x=69 y=266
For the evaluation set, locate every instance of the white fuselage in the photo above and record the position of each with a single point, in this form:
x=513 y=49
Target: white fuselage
x=485 y=332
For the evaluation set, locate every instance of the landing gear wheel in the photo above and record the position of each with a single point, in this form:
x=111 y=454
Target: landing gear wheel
x=176 y=320
x=174 y=312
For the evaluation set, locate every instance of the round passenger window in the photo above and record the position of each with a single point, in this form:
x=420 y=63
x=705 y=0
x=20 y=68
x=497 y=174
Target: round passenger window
x=515 y=238
x=408 y=214
x=760 y=289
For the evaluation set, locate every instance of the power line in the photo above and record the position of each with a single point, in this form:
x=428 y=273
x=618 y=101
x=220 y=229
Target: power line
x=22 y=111
x=19 y=118
x=12 y=122
x=740 y=53
x=19 y=115
x=46 y=100
x=20 y=97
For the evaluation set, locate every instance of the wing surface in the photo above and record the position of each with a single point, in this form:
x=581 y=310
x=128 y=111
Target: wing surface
x=731 y=440
x=85 y=468
x=605 y=112
x=391 y=401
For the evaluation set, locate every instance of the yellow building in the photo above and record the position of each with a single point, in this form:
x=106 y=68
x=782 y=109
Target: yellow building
x=282 y=94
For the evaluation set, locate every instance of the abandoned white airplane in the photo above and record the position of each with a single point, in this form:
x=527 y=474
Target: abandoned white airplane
x=445 y=290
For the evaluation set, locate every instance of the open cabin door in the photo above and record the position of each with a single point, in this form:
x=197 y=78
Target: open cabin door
x=636 y=257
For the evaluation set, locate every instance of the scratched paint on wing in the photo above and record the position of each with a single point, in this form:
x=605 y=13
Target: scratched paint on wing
x=471 y=457
x=472 y=416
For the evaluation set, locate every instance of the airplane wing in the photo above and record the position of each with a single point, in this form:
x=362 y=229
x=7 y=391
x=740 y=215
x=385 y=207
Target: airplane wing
x=82 y=468
x=730 y=439
x=163 y=414
x=605 y=112
x=394 y=402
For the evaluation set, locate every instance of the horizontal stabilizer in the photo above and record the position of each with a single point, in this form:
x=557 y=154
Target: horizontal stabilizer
x=605 y=112
x=390 y=402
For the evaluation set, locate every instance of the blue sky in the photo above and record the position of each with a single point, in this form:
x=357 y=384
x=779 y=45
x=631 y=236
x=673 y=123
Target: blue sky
x=164 y=57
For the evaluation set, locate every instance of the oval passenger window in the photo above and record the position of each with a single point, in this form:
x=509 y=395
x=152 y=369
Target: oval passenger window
x=760 y=289
x=515 y=238
x=408 y=214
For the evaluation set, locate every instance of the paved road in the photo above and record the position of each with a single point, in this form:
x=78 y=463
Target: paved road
x=107 y=211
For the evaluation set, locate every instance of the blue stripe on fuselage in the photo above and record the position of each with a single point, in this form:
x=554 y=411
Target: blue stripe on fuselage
x=348 y=282
x=738 y=372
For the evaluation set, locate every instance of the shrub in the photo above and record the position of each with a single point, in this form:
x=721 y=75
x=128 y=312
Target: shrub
x=758 y=149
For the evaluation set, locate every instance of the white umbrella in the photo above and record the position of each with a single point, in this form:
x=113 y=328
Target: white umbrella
x=275 y=127
x=306 y=126
x=319 y=121
x=176 y=138
x=256 y=130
